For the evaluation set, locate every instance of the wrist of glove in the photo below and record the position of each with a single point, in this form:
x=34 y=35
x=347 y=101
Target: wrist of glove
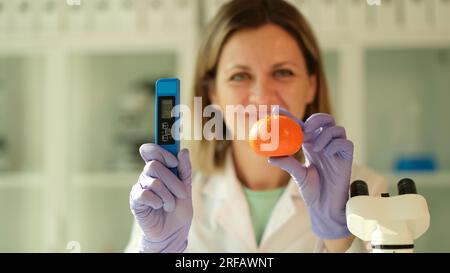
x=328 y=226
x=175 y=243
x=324 y=179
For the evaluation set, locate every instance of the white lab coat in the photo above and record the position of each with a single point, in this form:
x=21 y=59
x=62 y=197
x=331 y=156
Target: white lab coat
x=222 y=221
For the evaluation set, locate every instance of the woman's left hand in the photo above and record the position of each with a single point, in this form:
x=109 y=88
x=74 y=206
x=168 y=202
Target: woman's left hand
x=324 y=179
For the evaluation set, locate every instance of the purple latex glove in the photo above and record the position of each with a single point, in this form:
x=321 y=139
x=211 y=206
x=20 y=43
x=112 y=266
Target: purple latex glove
x=161 y=202
x=324 y=179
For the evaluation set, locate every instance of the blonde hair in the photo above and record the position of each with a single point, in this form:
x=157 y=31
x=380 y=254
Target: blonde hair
x=209 y=156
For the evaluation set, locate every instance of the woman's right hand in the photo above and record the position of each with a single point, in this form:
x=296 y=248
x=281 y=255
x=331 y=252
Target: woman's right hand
x=161 y=202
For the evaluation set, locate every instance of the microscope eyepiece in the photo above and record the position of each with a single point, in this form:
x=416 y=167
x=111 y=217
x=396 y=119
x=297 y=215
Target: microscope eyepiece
x=406 y=186
x=358 y=187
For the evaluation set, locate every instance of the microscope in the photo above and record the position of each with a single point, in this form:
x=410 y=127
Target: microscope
x=391 y=224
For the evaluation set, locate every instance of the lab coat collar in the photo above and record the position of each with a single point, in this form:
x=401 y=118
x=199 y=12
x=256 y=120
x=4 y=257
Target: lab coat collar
x=284 y=210
x=234 y=214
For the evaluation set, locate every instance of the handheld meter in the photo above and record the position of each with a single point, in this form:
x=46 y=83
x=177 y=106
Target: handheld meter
x=166 y=126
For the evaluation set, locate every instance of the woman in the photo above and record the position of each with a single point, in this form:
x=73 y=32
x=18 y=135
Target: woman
x=254 y=52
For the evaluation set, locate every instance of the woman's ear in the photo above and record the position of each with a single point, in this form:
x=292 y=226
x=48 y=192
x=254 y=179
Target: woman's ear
x=312 y=88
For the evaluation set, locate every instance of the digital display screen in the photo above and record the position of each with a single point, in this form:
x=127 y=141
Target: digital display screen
x=165 y=119
x=166 y=107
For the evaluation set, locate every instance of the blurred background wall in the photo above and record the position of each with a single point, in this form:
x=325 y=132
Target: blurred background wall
x=76 y=102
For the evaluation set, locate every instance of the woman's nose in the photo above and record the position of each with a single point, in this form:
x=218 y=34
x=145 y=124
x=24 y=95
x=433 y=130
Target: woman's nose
x=263 y=92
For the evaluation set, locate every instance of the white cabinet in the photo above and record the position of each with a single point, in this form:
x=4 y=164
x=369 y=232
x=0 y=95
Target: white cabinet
x=356 y=15
x=419 y=14
x=21 y=89
x=407 y=127
x=5 y=152
x=49 y=16
x=89 y=222
x=78 y=18
x=183 y=13
x=74 y=109
x=21 y=208
x=168 y=15
x=331 y=63
x=112 y=111
x=411 y=86
x=211 y=7
x=386 y=16
x=442 y=11
x=331 y=14
x=22 y=195
x=114 y=16
x=111 y=114
x=103 y=12
x=4 y=16
x=23 y=16
x=157 y=14
x=436 y=238
x=125 y=14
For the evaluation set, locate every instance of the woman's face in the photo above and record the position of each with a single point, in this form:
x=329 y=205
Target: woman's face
x=262 y=66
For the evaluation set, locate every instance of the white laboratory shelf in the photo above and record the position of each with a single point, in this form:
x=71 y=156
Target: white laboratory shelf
x=378 y=39
x=127 y=179
x=62 y=183
x=20 y=180
x=422 y=179
x=104 y=180
x=79 y=180
x=120 y=179
x=98 y=41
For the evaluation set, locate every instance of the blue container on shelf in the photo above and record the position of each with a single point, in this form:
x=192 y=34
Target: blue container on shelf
x=415 y=163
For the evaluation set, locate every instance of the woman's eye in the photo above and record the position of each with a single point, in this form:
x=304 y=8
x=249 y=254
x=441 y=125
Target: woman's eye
x=240 y=77
x=283 y=73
